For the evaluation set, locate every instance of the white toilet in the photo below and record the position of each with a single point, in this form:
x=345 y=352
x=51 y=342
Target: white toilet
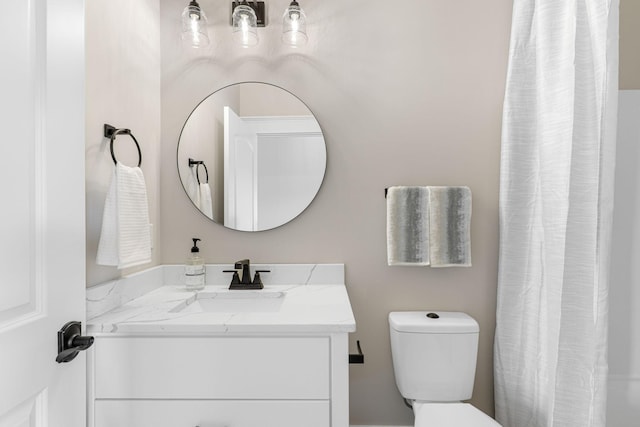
x=434 y=361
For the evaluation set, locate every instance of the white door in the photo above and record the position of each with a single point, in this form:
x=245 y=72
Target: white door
x=240 y=186
x=42 y=243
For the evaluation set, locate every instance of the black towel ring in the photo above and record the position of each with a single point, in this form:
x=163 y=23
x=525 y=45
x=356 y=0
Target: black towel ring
x=198 y=163
x=111 y=132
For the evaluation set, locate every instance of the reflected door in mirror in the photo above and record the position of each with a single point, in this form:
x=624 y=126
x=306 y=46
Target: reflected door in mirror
x=273 y=168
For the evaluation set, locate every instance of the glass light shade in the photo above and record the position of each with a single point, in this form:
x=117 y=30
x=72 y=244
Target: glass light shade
x=245 y=26
x=294 y=26
x=194 y=26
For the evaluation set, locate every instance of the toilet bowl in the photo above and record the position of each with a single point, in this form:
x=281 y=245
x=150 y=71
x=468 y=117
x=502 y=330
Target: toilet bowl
x=434 y=362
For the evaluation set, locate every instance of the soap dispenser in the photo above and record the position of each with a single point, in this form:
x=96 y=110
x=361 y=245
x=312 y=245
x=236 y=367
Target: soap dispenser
x=194 y=270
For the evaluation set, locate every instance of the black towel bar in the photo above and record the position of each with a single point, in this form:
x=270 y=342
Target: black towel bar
x=112 y=132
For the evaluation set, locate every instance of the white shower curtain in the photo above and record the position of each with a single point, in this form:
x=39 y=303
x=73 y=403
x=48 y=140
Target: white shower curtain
x=556 y=201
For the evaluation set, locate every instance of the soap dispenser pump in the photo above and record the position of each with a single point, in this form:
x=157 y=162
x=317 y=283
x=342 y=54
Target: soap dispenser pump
x=194 y=269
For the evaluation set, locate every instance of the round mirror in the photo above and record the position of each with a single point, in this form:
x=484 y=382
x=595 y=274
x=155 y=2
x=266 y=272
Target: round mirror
x=251 y=156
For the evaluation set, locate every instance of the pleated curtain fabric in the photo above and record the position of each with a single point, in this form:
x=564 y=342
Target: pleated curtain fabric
x=556 y=202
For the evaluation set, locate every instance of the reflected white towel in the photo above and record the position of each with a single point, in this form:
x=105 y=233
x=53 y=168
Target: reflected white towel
x=408 y=226
x=192 y=187
x=125 y=240
x=450 y=226
x=206 y=205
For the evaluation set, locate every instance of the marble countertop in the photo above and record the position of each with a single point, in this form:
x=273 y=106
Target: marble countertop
x=289 y=308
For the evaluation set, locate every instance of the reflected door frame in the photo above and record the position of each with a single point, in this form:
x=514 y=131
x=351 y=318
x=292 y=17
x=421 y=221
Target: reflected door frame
x=242 y=164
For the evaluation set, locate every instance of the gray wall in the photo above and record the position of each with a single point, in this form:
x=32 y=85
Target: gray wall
x=122 y=89
x=629 y=44
x=624 y=297
x=624 y=334
x=406 y=93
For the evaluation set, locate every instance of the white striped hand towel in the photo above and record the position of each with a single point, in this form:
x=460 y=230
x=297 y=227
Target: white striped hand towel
x=125 y=239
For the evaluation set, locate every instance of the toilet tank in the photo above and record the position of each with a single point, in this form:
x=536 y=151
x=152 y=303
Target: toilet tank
x=434 y=354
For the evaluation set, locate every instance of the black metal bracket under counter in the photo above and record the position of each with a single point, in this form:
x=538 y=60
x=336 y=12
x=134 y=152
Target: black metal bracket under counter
x=357 y=358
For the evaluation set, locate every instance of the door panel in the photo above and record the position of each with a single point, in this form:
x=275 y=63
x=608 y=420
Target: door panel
x=42 y=217
x=27 y=414
x=20 y=96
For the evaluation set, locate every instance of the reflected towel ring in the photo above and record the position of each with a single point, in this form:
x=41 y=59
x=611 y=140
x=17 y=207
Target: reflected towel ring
x=198 y=163
x=205 y=171
x=111 y=132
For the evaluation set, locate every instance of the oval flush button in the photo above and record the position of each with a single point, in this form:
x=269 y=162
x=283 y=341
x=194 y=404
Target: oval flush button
x=433 y=316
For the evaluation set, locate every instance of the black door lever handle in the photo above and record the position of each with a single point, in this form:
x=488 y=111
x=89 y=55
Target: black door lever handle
x=71 y=342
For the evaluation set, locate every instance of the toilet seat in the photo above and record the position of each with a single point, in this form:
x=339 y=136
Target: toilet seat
x=454 y=414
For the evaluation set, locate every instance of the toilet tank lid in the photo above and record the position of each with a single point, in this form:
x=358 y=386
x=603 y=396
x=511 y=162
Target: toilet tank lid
x=433 y=322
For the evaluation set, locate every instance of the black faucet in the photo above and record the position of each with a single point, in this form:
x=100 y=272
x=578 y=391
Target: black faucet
x=245 y=282
x=246 y=274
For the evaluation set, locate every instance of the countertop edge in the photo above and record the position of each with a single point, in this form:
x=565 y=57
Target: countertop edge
x=324 y=309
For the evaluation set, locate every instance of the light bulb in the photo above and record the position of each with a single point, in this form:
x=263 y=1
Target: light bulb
x=245 y=32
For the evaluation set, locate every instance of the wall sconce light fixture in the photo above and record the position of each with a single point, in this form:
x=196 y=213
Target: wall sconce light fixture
x=245 y=20
x=294 y=25
x=194 y=25
x=246 y=17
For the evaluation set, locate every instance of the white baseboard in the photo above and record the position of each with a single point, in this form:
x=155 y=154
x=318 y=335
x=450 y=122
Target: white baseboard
x=376 y=426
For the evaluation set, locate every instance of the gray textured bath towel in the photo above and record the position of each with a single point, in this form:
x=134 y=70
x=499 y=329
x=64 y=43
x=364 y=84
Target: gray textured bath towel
x=408 y=226
x=450 y=226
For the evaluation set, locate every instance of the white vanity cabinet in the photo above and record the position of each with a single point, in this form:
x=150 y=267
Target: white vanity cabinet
x=230 y=380
x=163 y=358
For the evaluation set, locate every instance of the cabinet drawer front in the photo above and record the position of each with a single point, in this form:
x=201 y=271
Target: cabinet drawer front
x=203 y=413
x=212 y=368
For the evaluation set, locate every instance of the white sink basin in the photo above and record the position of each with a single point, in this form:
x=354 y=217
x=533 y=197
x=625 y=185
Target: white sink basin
x=232 y=301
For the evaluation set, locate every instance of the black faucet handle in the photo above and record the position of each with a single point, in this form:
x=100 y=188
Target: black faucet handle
x=257 y=280
x=235 y=279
